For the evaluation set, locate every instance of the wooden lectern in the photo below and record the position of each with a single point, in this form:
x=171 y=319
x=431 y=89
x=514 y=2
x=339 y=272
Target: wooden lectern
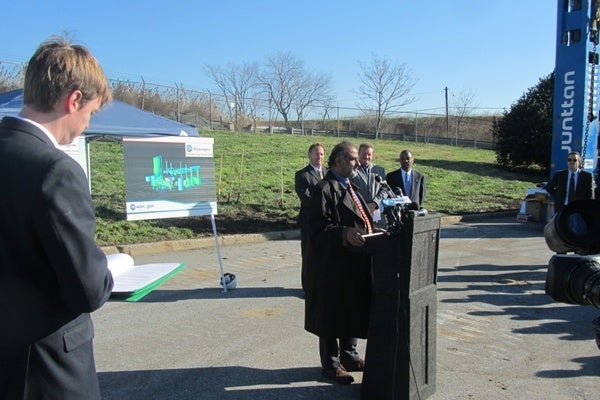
x=400 y=356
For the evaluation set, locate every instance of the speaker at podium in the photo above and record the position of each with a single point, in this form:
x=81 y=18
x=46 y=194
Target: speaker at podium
x=400 y=356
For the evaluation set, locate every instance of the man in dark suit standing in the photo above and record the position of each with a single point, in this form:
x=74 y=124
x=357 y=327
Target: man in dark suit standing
x=52 y=273
x=411 y=182
x=570 y=184
x=338 y=278
x=304 y=181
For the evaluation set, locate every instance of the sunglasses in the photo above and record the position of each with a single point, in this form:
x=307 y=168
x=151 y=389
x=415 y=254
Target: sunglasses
x=571 y=159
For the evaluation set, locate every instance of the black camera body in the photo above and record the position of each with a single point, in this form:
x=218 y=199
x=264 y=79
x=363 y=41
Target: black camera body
x=575 y=278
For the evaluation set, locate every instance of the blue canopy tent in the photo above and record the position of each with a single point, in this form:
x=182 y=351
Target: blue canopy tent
x=116 y=119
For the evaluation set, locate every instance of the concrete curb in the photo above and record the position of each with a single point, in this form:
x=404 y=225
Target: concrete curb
x=200 y=243
x=229 y=240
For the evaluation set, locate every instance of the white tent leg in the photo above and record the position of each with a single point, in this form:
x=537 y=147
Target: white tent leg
x=214 y=226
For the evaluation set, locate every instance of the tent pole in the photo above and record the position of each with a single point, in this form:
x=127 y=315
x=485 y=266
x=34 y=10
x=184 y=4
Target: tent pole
x=214 y=226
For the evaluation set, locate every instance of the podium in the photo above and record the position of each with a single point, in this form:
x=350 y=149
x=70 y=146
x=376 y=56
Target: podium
x=400 y=356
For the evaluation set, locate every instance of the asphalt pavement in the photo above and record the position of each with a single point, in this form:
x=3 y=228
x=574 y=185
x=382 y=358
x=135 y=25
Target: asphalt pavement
x=498 y=335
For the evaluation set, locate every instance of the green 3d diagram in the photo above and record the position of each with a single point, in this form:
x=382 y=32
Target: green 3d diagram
x=170 y=178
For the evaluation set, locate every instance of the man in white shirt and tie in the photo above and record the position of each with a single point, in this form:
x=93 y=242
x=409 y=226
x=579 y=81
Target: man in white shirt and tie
x=410 y=182
x=371 y=190
x=304 y=182
x=570 y=184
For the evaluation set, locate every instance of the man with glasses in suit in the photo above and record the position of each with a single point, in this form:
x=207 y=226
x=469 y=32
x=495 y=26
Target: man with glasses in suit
x=570 y=184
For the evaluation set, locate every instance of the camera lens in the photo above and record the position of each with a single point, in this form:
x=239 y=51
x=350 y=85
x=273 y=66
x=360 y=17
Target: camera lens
x=584 y=282
x=574 y=280
x=576 y=228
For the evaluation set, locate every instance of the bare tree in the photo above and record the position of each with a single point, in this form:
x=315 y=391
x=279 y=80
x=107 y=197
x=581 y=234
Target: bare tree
x=463 y=104
x=281 y=79
x=288 y=84
x=312 y=89
x=11 y=76
x=237 y=83
x=385 y=88
x=327 y=104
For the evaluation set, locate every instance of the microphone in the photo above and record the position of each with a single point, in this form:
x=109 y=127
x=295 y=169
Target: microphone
x=387 y=187
x=419 y=213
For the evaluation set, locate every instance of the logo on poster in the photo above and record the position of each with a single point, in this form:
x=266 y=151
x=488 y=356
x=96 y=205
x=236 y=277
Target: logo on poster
x=198 y=150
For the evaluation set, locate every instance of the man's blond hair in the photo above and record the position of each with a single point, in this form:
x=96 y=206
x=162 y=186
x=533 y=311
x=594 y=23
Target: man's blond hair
x=56 y=69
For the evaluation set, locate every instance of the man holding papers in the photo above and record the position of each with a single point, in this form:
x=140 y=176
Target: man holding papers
x=52 y=273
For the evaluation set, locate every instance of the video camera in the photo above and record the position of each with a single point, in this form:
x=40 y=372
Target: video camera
x=575 y=278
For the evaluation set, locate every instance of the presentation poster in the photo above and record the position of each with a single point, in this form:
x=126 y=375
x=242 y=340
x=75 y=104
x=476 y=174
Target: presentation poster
x=169 y=177
x=78 y=151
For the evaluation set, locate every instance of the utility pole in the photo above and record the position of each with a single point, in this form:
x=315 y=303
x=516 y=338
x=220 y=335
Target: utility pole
x=447 y=120
x=143 y=91
x=178 y=104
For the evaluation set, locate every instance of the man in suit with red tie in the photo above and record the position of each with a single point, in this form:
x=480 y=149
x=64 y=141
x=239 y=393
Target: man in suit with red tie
x=338 y=278
x=304 y=181
x=570 y=184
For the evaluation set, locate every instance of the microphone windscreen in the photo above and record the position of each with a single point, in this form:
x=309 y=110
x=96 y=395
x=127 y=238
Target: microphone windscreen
x=413 y=206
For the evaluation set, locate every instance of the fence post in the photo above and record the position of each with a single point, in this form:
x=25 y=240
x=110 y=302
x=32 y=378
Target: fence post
x=416 y=126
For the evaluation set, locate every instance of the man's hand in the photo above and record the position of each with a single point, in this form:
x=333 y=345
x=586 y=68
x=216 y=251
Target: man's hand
x=354 y=237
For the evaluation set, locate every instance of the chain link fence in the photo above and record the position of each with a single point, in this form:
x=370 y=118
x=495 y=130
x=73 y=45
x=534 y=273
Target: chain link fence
x=208 y=110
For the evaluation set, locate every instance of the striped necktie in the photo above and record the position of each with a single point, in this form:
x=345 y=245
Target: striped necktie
x=363 y=214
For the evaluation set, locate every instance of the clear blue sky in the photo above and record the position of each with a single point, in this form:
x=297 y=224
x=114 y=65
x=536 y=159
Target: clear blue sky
x=496 y=49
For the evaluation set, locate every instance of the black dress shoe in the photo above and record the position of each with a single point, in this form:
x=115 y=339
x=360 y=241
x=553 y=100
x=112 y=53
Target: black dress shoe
x=353 y=365
x=339 y=375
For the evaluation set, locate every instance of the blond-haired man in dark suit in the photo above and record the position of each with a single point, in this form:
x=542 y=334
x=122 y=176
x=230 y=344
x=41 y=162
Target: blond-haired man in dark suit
x=52 y=273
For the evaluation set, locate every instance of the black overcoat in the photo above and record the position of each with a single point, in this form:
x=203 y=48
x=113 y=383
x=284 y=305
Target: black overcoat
x=338 y=287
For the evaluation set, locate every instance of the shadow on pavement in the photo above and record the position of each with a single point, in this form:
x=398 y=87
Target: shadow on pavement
x=223 y=383
x=519 y=292
x=589 y=366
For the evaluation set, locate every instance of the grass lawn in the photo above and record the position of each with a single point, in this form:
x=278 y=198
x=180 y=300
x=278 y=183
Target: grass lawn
x=255 y=184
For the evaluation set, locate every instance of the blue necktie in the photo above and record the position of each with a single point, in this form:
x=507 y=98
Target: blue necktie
x=408 y=185
x=571 y=188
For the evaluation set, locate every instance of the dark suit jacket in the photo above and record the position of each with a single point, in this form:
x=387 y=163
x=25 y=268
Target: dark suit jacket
x=338 y=285
x=52 y=273
x=419 y=185
x=557 y=187
x=304 y=181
